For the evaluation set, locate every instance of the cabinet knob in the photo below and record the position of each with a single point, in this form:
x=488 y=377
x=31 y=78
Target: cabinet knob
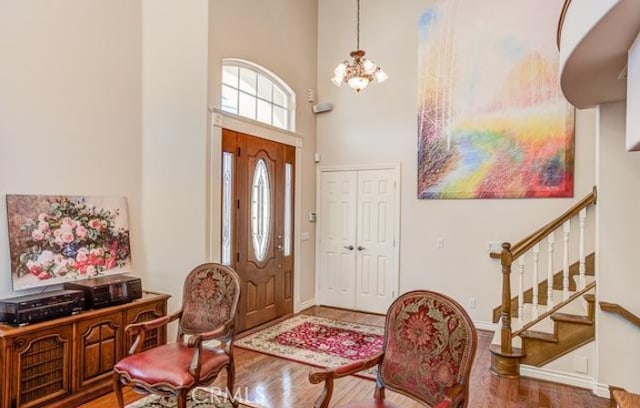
x=349 y=247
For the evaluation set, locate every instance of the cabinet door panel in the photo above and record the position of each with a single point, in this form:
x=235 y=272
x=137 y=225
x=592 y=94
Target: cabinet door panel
x=41 y=361
x=145 y=313
x=99 y=348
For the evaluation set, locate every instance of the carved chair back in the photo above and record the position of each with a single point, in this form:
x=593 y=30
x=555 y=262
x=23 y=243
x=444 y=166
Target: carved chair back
x=209 y=299
x=430 y=343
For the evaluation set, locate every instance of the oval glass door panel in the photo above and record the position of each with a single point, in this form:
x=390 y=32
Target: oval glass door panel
x=260 y=210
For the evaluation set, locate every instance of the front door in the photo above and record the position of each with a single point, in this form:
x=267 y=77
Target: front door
x=260 y=231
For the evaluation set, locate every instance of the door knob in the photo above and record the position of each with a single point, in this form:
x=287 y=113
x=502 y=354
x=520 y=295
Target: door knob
x=361 y=248
x=350 y=247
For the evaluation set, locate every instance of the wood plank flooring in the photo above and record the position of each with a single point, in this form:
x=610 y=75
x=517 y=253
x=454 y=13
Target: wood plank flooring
x=278 y=383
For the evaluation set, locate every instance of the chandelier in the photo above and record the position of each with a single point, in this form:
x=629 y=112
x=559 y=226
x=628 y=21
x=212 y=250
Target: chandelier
x=358 y=72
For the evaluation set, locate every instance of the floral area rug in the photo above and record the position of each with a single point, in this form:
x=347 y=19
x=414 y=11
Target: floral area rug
x=317 y=341
x=198 y=399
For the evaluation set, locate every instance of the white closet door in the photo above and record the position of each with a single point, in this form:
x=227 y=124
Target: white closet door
x=338 y=239
x=376 y=277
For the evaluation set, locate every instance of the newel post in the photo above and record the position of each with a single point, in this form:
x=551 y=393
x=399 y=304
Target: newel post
x=506 y=259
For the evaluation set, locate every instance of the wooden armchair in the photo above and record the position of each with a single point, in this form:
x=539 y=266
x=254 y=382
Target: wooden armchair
x=429 y=346
x=209 y=303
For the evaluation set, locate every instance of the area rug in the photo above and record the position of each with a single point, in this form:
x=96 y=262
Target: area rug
x=198 y=399
x=317 y=341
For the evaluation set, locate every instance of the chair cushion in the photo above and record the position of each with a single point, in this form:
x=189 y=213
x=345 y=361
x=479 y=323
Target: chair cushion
x=169 y=364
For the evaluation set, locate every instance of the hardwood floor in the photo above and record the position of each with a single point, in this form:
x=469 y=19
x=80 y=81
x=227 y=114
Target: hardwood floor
x=279 y=383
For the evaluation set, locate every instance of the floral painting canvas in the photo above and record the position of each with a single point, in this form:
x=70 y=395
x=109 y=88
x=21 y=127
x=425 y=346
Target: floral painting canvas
x=53 y=239
x=492 y=120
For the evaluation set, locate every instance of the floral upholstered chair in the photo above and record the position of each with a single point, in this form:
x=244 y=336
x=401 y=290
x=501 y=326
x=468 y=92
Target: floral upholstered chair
x=209 y=303
x=429 y=345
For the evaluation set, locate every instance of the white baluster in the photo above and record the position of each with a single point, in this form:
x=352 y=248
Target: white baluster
x=521 y=290
x=565 y=264
x=551 y=239
x=536 y=259
x=582 y=266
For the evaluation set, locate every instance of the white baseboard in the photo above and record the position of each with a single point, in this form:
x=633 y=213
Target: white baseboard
x=575 y=380
x=486 y=326
x=305 y=305
x=601 y=390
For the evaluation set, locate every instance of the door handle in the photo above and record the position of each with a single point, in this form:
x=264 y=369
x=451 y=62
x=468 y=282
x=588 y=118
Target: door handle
x=361 y=248
x=350 y=247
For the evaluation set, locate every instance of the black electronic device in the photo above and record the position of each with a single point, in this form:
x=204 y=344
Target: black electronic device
x=22 y=310
x=108 y=290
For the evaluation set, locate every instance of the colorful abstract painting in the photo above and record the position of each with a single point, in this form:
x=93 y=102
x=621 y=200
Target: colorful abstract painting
x=492 y=120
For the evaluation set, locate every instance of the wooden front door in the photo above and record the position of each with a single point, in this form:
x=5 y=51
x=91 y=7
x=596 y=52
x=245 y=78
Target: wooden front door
x=257 y=218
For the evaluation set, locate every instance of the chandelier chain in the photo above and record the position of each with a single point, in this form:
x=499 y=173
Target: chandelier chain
x=358 y=25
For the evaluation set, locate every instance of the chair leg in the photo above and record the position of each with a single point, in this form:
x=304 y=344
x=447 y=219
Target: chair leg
x=182 y=399
x=231 y=383
x=117 y=389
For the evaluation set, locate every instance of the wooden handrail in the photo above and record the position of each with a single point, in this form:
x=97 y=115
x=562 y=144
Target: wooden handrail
x=523 y=246
x=555 y=308
x=563 y=14
x=616 y=308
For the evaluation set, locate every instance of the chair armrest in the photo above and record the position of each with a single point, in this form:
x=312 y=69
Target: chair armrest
x=196 y=340
x=328 y=375
x=347 y=369
x=140 y=329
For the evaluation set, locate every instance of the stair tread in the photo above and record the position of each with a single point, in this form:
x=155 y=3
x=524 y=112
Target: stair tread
x=538 y=335
x=571 y=318
x=626 y=399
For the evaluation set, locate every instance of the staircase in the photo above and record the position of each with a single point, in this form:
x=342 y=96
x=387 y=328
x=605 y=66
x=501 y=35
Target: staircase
x=556 y=314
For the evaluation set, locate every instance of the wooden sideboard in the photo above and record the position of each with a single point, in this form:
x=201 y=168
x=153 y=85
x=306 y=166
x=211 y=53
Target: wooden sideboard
x=67 y=361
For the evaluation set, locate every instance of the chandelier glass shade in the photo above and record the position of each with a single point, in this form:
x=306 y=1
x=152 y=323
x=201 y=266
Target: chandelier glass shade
x=359 y=72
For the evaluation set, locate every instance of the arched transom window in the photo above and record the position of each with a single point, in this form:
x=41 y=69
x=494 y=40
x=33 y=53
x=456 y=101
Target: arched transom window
x=251 y=91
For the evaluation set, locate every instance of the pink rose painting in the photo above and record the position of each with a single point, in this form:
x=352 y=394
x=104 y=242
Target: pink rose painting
x=54 y=239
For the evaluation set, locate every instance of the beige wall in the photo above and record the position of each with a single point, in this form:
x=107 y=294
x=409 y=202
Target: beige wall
x=379 y=125
x=281 y=36
x=70 y=104
x=174 y=172
x=618 y=240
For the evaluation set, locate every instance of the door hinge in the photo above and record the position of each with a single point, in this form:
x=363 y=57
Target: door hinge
x=395 y=184
x=394 y=243
x=239 y=152
x=237 y=256
x=238 y=204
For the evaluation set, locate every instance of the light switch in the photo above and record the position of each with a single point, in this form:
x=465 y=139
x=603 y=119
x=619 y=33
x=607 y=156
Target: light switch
x=305 y=236
x=440 y=243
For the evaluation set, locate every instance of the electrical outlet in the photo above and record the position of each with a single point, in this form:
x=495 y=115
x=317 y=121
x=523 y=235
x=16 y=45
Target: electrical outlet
x=440 y=243
x=472 y=303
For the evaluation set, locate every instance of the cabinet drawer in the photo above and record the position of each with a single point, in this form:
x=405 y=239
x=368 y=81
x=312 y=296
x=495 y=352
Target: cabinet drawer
x=99 y=348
